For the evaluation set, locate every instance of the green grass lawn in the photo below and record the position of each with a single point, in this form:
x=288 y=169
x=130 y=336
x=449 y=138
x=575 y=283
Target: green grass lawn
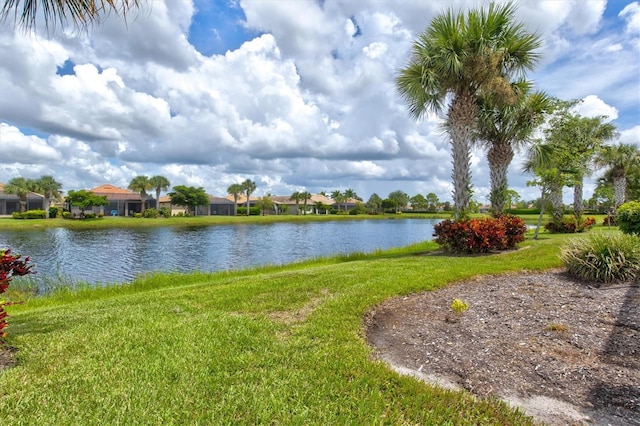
x=274 y=345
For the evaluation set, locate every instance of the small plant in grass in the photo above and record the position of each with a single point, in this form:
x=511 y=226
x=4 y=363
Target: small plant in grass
x=603 y=258
x=10 y=266
x=459 y=306
x=628 y=216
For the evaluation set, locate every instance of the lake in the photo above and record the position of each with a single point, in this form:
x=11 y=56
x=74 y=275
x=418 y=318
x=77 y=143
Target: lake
x=119 y=255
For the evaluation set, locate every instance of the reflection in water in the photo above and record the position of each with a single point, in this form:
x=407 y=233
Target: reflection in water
x=117 y=255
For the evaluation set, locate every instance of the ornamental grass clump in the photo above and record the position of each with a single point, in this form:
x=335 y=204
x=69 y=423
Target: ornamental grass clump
x=603 y=257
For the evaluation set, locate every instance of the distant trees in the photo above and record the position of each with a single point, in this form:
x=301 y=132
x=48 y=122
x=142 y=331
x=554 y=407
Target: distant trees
x=141 y=184
x=189 y=196
x=248 y=186
x=305 y=196
x=235 y=190
x=433 y=201
x=159 y=183
x=374 y=203
x=296 y=196
x=400 y=198
x=49 y=187
x=265 y=204
x=619 y=161
x=418 y=202
x=85 y=199
x=21 y=187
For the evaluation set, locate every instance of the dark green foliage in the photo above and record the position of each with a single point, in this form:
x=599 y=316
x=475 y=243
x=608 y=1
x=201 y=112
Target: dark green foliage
x=151 y=213
x=570 y=226
x=165 y=212
x=480 y=235
x=603 y=257
x=53 y=212
x=628 y=216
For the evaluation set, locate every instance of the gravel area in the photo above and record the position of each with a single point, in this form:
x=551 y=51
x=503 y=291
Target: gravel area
x=565 y=351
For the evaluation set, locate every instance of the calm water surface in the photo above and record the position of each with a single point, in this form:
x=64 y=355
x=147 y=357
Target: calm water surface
x=117 y=255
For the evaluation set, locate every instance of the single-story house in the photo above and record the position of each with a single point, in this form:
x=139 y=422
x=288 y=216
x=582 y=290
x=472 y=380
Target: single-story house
x=217 y=206
x=10 y=203
x=122 y=202
x=312 y=207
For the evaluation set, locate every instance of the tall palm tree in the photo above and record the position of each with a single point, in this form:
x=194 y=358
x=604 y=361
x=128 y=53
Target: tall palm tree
x=81 y=12
x=235 y=190
x=466 y=57
x=141 y=184
x=619 y=160
x=48 y=186
x=21 y=187
x=159 y=183
x=296 y=197
x=579 y=138
x=504 y=128
x=248 y=186
x=541 y=162
x=305 y=196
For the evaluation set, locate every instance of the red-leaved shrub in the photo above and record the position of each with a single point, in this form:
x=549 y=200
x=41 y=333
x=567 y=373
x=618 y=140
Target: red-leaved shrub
x=480 y=235
x=10 y=266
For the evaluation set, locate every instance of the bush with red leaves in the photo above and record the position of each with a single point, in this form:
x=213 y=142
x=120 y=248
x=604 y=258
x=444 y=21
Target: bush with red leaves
x=10 y=266
x=480 y=235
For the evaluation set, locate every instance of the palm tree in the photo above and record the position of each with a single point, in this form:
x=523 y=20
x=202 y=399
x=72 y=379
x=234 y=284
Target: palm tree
x=305 y=196
x=466 y=57
x=248 y=186
x=21 y=187
x=540 y=162
x=502 y=130
x=48 y=186
x=235 y=190
x=338 y=197
x=159 y=183
x=80 y=12
x=296 y=197
x=141 y=184
x=619 y=161
x=579 y=138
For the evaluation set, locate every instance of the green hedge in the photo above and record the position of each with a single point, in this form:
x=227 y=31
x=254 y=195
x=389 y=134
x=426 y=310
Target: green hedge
x=30 y=214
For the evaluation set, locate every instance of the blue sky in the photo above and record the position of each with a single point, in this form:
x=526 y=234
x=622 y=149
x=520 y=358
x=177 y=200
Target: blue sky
x=296 y=95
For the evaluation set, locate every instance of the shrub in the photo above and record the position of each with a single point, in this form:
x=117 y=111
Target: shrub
x=137 y=215
x=570 y=226
x=610 y=220
x=480 y=235
x=66 y=215
x=53 y=212
x=165 y=211
x=603 y=258
x=628 y=216
x=151 y=213
x=30 y=214
x=10 y=266
x=89 y=215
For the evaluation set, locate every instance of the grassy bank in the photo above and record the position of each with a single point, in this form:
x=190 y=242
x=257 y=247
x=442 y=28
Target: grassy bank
x=276 y=345
x=130 y=222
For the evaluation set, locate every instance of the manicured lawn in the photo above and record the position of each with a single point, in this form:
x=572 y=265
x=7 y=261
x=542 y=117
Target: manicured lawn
x=276 y=345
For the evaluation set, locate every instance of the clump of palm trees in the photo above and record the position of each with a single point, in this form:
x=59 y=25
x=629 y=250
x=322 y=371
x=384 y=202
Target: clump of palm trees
x=45 y=185
x=474 y=63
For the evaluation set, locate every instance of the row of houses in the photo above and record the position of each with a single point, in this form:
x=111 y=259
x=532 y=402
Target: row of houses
x=123 y=202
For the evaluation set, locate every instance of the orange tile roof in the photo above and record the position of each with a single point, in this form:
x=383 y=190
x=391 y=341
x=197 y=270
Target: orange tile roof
x=111 y=189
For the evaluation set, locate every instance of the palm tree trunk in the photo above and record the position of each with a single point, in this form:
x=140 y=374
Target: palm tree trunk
x=158 y=199
x=46 y=205
x=543 y=202
x=577 y=201
x=499 y=158
x=555 y=196
x=461 y=117
x=619 y=189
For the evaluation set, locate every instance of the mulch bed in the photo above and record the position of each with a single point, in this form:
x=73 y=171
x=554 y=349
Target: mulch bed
x=567 y=352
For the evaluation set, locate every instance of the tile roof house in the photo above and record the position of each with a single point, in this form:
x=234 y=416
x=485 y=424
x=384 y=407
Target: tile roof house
x=122 y=202
x=10 y=203
x=292 y=208
x=217 y=206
